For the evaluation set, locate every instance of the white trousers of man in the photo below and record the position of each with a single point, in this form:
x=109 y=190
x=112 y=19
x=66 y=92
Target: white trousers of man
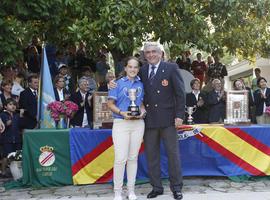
x=127 y=138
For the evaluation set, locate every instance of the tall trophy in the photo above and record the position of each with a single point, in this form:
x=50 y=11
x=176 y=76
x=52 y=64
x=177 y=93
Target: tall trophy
x=190 y=111
x=132 y=95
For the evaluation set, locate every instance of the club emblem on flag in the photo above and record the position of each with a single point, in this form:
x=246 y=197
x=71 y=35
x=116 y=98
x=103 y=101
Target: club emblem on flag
x=47 y=156
x=165 y=82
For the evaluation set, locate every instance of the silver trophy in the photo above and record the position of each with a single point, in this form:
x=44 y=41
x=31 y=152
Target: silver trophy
x=190 y=111
x=132 y=95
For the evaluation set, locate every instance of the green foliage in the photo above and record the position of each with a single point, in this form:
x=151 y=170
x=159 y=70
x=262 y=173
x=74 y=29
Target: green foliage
x=238 y=26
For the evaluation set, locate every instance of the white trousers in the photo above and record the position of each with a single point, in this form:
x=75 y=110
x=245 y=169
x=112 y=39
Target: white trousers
x=127 y=139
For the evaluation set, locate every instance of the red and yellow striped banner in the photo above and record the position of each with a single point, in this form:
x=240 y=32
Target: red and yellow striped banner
x=239 y=147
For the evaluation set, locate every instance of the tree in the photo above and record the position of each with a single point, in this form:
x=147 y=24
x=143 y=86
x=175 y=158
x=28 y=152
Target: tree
x=241 y=26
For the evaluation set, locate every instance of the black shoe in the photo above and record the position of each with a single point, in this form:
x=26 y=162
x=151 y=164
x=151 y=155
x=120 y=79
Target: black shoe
x=154 y=194
x=177 y=195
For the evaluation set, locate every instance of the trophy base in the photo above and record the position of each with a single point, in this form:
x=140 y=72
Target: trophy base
x=134 y=111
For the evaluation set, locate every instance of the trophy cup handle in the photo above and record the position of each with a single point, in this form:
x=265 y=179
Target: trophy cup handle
x=125 y=90
x=139 y=91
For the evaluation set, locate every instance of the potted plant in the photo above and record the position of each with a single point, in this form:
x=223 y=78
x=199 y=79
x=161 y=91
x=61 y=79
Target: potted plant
x=15 y=159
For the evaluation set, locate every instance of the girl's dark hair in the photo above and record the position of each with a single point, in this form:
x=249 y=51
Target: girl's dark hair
x=259 y=79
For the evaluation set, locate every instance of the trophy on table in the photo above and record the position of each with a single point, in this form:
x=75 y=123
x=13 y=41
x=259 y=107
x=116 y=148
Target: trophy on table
x=132 y=95
x=190 y=111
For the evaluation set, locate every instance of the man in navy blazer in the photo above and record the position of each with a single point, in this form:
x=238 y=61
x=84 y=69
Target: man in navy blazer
x=28 y=102
x=84 y=116
x=165 y=105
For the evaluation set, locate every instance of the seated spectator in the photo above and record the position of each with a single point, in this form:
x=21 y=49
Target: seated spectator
x=197 y=99
x=104 y=86
x=6 y=86
x=89 y=75
x=28 y=102
x=199 y=68
x=84 y=116
x=69 y=83
x=11 y=137
x=61 y=93
x=17 y=87
x=262 y=100
x=216 y=101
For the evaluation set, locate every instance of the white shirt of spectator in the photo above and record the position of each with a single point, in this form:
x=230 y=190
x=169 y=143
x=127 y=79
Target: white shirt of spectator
x=196 y=94
x=16 y=89
x=61 y=94
x=85 y=120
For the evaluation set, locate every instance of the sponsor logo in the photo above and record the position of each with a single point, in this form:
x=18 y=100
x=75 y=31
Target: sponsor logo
x=185 y=132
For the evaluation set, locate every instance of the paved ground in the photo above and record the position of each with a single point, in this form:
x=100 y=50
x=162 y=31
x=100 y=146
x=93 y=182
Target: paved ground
x=195 y=188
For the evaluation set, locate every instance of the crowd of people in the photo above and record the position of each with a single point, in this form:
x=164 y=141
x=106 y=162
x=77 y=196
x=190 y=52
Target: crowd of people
x=162 y=101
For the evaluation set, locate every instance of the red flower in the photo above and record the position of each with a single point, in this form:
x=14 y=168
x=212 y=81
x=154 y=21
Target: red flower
x=58 y=108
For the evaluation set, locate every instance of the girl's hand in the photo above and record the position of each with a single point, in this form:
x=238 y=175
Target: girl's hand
x=126 y=115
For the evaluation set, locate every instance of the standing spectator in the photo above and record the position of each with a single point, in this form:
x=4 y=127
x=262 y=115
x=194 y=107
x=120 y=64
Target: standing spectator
x=11 y=137
x=184 y=62
x=254 y=85
x=61 y=93
x=6 y=86
x=127 y=131
x=216 y=101
x=104 y=86
x=199 y=68
x=69 y=83
x=33 y=55
x=217 y=70
x=262 y=100
x=102 y=68
x=28 y=102
x=89 y=75
x=17 y=87
x=84 y=116
x=197 y=99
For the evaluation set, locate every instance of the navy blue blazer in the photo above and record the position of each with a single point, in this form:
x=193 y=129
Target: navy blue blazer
x=165 y=99
x=28 y=102
x=217 y=107
x=259 y=102
x=200 y=116
x=78 y=117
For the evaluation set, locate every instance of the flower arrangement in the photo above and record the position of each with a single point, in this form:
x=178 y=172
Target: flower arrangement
x=15 y=156
x=267 y=110
x=59 y=108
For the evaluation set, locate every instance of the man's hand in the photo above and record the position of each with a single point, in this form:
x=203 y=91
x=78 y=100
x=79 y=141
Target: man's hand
x=178 y=122
x=112 y=84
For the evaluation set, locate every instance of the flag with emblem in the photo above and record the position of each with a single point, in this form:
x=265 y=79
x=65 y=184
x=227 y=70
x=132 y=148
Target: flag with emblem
x=46 y=94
